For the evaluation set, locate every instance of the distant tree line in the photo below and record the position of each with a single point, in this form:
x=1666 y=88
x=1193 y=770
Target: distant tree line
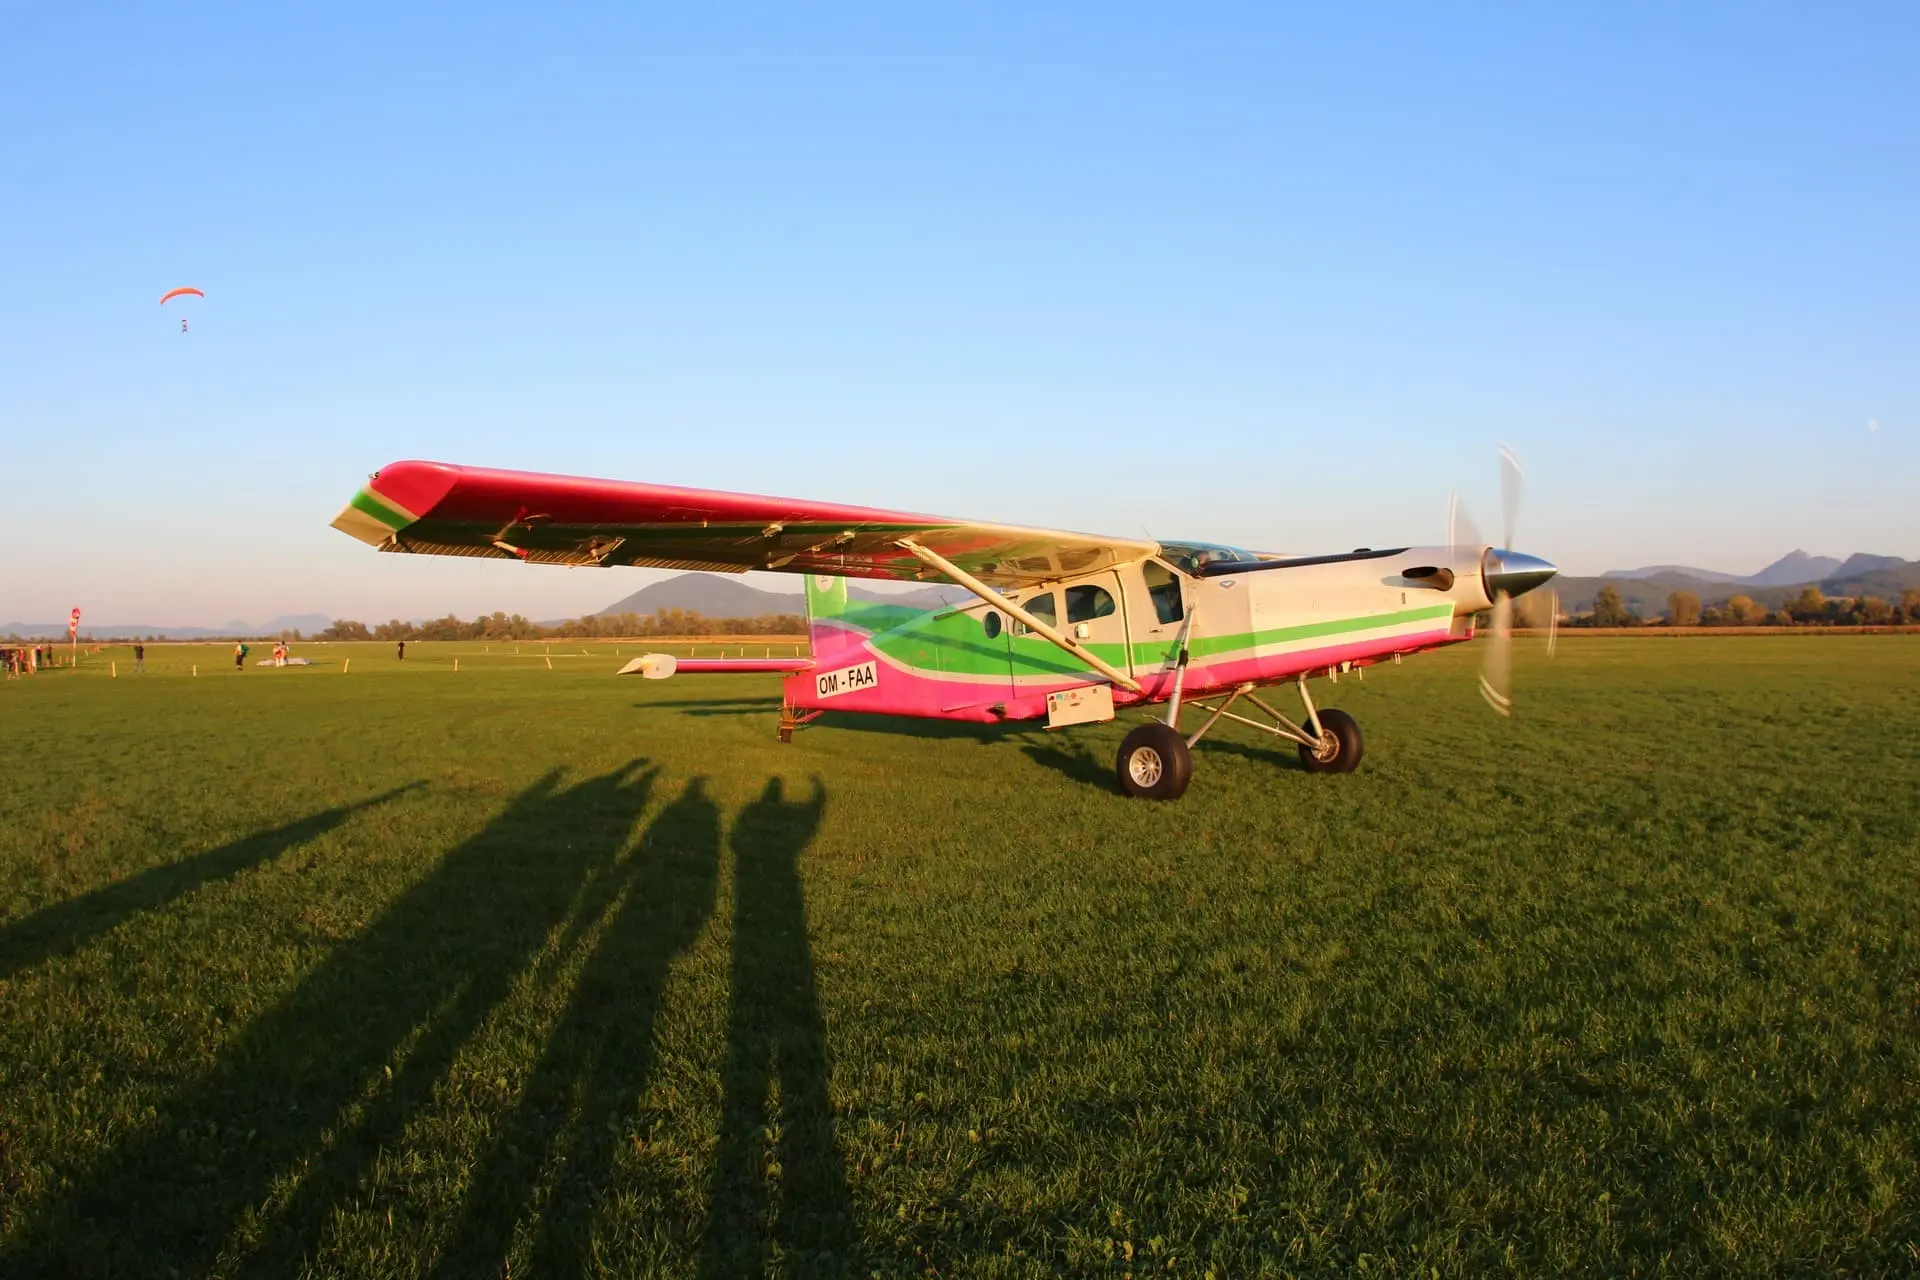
x=504 y=626
x=1808 y=609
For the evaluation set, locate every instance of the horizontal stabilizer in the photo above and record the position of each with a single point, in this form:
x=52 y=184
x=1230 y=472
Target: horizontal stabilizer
x=658 y=666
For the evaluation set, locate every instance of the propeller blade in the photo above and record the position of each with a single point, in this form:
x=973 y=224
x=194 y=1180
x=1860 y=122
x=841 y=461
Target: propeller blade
x=1496 y=674
x=1511 y=476
x=1462 y=534
x=1553 y=618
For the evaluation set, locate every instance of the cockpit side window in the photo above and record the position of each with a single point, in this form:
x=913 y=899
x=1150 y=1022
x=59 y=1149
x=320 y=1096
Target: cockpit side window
x=1041 y=607
x=1085 y=603
x=1164 y=589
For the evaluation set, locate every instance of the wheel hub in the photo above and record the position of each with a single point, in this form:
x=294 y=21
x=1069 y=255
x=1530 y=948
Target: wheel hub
x=1144 y=766
x=1327 y=748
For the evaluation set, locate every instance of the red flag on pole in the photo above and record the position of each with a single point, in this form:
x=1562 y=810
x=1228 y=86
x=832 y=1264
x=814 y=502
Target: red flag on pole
x=73 y=623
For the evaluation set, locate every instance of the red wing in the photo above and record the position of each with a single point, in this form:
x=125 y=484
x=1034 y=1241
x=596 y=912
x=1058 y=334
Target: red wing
x=439 y=509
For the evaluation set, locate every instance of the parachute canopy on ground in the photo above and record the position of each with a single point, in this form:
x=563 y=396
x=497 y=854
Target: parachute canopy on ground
x=175 y=293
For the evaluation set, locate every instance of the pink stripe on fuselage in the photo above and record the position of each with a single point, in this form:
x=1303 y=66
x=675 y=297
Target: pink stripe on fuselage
x=905 y=692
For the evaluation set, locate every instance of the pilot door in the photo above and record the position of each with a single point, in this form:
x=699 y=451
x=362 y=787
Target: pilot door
x=1156 y=613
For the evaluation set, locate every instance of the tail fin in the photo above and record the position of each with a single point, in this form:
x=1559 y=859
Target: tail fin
x=827 y=606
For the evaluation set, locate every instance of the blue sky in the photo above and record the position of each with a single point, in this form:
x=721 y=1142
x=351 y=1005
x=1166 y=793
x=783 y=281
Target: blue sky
x=1231 y=272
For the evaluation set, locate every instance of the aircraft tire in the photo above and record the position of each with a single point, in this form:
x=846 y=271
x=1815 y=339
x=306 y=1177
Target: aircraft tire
x=1349 y=748
x=1154 y=763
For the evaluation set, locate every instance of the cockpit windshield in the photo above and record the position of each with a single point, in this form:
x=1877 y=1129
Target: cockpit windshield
x=1190 y=557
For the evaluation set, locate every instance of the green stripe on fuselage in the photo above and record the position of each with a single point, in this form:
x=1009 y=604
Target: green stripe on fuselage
x=952 y=643
x=1214 y=646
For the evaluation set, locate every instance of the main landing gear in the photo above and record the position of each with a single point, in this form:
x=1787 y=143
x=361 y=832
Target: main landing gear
x=1157 y=762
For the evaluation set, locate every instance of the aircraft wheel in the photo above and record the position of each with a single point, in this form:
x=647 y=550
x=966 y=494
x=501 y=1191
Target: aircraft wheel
x=1340 y=747
x=1155 y=763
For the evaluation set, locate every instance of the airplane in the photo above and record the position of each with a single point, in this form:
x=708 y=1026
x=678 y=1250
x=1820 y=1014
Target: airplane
x=1066 y=627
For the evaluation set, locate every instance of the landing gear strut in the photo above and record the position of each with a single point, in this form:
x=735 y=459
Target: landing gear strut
x=1339 y=749
x=792 y=718
x=1157 y=762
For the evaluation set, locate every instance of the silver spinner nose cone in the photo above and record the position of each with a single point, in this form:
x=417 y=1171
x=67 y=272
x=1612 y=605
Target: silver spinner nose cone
x=1515 y=572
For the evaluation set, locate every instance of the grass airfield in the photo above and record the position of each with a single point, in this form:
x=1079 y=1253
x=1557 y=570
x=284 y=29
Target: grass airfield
x=521 y=970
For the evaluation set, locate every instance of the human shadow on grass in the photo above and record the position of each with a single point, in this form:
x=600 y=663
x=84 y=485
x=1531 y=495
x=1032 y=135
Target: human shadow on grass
x=61 y=927
x=584 y=1091
x=250 y=1158
x=776 y=1037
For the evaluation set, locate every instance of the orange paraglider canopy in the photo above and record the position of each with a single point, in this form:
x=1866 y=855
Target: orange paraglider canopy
x=174 y=293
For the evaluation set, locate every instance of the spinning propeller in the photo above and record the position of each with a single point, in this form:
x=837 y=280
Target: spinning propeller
x=1508 y=573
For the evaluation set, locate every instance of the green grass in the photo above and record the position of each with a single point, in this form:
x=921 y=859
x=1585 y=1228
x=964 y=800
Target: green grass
x=532 y=972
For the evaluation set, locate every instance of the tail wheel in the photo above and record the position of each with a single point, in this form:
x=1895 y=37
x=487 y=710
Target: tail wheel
x=1155 y=763
x=1340 y=746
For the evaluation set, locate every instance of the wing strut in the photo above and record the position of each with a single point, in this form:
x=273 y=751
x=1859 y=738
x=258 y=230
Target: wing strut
x=1065 y=642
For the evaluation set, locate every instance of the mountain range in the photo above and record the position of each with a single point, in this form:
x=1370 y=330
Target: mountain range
x=1796 y=568
x=1644 y=590
x=713 y=596
x=305 y=623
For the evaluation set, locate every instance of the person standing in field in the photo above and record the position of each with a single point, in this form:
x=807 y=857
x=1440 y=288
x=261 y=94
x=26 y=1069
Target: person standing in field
x=139 y=658
x=403 y=651
x=240 y=656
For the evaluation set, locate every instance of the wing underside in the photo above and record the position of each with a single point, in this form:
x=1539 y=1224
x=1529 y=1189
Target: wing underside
x=433 y=508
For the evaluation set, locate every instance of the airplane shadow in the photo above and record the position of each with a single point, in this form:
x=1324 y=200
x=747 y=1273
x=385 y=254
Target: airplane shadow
x=1074 y=761
x=1284 y=757
x=801 y=1215
x=305 y=1085
x=1071 y=759
x=62 y=927
x=904 y=726
x=914 y=727
x=1077 y=761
